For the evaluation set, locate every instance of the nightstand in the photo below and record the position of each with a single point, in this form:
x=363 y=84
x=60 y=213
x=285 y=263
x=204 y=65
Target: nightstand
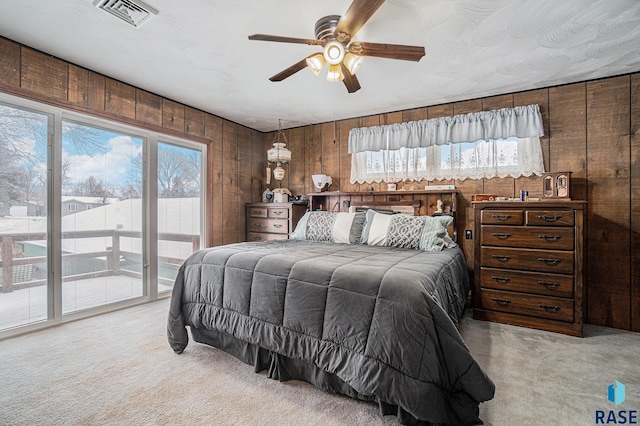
x=272 y=221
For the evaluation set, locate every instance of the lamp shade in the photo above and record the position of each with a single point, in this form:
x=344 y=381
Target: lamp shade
x=279 y=153
x=278 y=173
x=335 y=73
x=316 y=62
x=353 y=62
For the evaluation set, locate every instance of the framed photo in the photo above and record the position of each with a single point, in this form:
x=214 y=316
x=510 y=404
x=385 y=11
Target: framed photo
x=556 y=185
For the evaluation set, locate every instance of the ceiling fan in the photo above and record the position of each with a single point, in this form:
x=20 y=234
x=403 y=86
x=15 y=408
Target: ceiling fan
x=343 y=54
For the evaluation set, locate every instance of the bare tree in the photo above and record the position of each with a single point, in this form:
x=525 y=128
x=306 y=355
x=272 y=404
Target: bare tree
x=24 y=136
x=178 y=174
x=91 y=187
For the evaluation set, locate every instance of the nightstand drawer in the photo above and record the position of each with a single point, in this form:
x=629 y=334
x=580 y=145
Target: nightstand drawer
x=527 y=282
x=257 y=236
x=560 y=262
x=527 y=304
x=528 y=237
x=502 y=217
x=550 y=217
x=268 y=225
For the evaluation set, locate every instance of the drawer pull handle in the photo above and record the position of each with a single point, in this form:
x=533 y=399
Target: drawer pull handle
x=256 y=225
x=501 y=216
x=500 y=258
x=550 y=262
x=548 y=218
x=501 y=302
x=277 y=212
x=549 y=308
x=549 y=285
x=501 y=236
x=256 y=238
x=550 y=238
x=256 y=212
x=277 y=225
x=501 y=280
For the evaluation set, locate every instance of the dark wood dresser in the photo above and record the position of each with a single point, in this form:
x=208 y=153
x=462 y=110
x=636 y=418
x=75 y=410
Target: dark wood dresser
x=272 y=221
x=528 y=268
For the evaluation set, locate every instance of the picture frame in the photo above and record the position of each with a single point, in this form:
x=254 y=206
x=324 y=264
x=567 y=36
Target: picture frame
x=556 y=185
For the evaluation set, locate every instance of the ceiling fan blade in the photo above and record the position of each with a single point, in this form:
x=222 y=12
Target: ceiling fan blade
x=267 y=37
x=389 y=51
x=290 y=71
x=350 y=80
x=355 y=17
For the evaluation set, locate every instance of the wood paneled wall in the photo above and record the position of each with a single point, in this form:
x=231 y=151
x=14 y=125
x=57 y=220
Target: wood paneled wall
x=591 y=129
x=235 y=154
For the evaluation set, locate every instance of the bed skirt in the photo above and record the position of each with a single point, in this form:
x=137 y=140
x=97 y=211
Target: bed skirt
x=283 y=368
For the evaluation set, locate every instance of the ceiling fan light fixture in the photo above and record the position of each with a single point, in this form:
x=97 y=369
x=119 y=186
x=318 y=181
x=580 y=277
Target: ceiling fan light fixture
x=353 y=62
x=335 y=73
x=316 y=62
x=334 y=52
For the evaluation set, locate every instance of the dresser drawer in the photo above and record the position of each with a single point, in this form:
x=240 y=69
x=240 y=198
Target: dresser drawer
x=257 y=236
x=550 y=217
x=528 y=237
x=278 y=213
x=275 y=226
x=556 y=261
x=527 y=304
x=527 y=282
x=502 y=217
x=258 y=212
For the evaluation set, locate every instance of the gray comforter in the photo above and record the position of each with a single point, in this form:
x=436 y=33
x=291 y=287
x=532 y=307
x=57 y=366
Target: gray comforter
x=383 y=320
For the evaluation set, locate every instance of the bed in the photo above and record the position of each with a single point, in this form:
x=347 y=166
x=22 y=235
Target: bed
x=374 y=321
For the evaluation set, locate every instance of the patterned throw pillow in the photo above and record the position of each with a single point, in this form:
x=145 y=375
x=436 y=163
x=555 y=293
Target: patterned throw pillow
x=404 y=231
x=425 y=233
x=320 y=226
x=336 y=227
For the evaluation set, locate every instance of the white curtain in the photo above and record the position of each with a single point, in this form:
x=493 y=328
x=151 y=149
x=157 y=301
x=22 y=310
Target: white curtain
x=498 y=143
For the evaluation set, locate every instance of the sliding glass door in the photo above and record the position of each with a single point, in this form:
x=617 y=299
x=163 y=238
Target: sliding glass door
x=24 y=183
x=102 y=217
x=94 y=215
x=179 y=207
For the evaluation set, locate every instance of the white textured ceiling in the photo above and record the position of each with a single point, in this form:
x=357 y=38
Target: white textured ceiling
x=197 y=52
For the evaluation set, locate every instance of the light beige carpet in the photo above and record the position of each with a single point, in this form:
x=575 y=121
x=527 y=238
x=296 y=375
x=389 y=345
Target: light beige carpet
x=117 y=369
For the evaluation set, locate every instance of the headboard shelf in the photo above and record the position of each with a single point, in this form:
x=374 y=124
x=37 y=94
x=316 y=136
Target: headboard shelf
x=419 y=202
x=428 y=199
x=397 y=192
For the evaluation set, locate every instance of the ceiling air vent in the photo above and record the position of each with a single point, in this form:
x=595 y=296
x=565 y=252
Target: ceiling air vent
x=133 y=12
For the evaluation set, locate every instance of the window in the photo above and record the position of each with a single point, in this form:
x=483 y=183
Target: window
x=450 y=147
x=470 y=160
x=82 y=214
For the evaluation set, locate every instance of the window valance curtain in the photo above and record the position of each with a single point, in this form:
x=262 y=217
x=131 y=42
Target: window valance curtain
x=520 y=122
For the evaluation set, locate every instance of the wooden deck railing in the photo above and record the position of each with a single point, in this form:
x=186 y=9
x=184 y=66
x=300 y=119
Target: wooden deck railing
x=112 y=254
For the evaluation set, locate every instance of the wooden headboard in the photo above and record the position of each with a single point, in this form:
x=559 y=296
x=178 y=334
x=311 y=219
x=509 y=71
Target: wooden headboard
x=418 y=203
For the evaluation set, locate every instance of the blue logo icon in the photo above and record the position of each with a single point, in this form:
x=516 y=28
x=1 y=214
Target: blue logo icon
x=616 y=393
